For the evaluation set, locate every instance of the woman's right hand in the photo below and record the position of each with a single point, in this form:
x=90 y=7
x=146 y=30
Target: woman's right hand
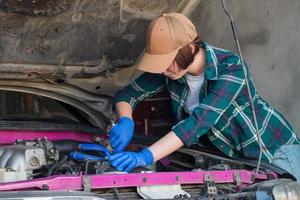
x=121 y=134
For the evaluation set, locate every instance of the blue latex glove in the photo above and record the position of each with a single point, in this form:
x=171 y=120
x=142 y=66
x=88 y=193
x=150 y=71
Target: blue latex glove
x=121 y=134
x=126 y=161
x=89 y=147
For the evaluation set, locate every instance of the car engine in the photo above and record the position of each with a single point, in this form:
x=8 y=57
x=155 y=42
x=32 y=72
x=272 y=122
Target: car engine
x=48 y=164
x=25 y=160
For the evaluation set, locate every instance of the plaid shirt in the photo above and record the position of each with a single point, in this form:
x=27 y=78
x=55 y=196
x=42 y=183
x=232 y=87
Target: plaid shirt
x=224 y=111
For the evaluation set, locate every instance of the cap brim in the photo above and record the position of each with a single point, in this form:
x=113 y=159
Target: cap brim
x=156 y=63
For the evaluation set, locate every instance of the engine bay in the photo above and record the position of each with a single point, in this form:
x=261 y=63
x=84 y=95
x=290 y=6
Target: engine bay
x=39 y=150
x=44 y=163
x=40 y=157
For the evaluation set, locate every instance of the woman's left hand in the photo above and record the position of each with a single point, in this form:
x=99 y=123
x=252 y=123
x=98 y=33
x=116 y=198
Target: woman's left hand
x=126 y=161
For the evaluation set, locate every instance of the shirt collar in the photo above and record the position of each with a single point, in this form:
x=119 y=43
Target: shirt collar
x=211 y=68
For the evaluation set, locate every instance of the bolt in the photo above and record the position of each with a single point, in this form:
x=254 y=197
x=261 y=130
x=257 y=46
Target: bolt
x=178 y=178
x=145 y=179
x=45 y=187
x=34 y=161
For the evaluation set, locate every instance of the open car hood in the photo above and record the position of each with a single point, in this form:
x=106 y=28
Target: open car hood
x=91 y=44
x=77 y=52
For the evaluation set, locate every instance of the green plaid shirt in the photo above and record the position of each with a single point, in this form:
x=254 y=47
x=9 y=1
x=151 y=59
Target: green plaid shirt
x=224 y=111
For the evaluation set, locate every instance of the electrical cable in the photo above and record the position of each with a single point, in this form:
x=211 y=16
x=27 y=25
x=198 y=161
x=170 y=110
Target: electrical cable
x=56 y=165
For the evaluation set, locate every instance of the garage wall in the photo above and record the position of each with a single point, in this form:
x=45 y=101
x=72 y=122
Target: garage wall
x=270 y=41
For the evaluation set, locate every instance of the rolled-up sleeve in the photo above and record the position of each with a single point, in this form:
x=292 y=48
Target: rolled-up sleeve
x=220 y=96
x=145 y=86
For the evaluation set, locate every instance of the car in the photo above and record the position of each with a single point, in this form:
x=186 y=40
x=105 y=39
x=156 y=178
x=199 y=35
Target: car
x=61 y=63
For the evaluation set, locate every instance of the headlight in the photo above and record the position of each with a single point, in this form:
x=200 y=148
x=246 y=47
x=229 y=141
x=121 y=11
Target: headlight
x=289 y=191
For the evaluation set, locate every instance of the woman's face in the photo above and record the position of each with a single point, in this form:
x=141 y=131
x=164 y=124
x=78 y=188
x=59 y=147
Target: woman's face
x=174 y=72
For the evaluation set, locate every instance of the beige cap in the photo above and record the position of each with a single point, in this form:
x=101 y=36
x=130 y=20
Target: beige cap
x=165 y=36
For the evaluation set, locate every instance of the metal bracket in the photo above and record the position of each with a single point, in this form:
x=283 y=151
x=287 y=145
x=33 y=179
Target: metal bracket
x=237 y=178
x=210 y=189
x=86 y=183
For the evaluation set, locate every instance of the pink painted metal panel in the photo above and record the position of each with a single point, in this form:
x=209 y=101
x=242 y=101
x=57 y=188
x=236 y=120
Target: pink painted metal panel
x=8 y=137
x=50 y=183
x=131 y=180
x=168 y=178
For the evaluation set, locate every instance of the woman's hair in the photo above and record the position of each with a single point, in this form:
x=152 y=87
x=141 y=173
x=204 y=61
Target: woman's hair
x=185 y=55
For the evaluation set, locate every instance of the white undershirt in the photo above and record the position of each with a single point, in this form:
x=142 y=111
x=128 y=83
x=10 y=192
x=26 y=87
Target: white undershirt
x=195 y=84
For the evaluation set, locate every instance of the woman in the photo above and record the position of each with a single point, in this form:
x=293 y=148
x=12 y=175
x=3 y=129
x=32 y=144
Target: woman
x=208 y=96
